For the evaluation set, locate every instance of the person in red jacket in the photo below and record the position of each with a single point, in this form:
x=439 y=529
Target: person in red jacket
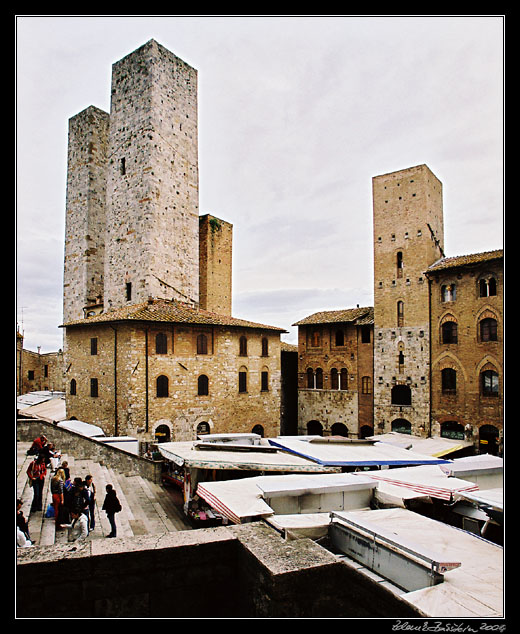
x=37 y=472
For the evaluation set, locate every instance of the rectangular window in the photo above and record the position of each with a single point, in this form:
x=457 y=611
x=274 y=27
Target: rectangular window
x=128 y=288
x=265 y=382
x=30 y=375
x=45 y=371
x=93 y=387
x=122 y=166
x=93 y=346
x=242 y=381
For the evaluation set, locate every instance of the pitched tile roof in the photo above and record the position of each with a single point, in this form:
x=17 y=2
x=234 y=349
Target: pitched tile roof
x=360 y=316
x=464 y=260
x=175 y=312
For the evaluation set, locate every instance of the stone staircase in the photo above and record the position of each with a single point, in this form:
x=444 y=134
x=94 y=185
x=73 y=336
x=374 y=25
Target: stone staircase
x=148 y=508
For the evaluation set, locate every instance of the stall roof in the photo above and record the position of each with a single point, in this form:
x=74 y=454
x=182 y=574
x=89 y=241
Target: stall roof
x=246 y=497
x=186 y=454
x=428 y=480
x=33 y=398
x=79 y=427
x=473 y=590
x=494 y=498
x=434 y=446
x=51 y=410
x=353 y=454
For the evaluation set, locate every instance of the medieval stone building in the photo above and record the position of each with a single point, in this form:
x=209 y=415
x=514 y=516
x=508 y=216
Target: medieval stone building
x=436 y=332
x=151 y=349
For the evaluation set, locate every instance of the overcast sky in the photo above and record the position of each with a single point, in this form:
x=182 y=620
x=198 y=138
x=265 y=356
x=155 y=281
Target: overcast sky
x=296 y=115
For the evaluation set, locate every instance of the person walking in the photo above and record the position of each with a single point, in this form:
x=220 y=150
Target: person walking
x=111 y=506
x=37 y=472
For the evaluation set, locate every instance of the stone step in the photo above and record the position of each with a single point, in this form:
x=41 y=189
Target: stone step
x=147 y=507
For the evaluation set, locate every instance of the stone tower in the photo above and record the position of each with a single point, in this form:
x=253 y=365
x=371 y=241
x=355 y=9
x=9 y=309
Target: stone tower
x=408 y=237
x=215 y=261
x=152 y=209
x=85 y=212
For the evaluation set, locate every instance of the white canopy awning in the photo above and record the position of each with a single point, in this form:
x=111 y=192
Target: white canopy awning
x=428 y=480
x=434 y=446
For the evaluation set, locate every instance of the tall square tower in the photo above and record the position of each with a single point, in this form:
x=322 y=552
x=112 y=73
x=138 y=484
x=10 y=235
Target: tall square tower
x=408 y=238
x=152 y=208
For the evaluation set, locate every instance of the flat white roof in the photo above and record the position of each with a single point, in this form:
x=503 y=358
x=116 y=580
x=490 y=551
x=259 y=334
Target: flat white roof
x=362 y=454
x=434 y=446
x=186 y=454
x=475 y=589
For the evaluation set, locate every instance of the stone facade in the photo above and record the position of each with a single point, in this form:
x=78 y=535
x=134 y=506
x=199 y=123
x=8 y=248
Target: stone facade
x=36 y=371
x=436 y=359
x=408 y=238
x=140 y=262
x=467 y=295
x=335 y=374
x=154 y=378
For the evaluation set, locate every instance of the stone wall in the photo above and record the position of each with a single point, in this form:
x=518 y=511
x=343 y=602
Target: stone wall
x=68 y=442
x=245 y=571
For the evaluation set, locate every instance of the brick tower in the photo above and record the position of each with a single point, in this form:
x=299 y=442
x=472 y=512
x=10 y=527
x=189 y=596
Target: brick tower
x=408 y=237
x=152 y=210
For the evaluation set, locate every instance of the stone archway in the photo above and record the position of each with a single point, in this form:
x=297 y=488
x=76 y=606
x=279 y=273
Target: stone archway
x=488 y=439
x=314 y=428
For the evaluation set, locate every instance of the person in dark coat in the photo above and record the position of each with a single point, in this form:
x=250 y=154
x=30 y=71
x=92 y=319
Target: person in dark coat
x=111 y=506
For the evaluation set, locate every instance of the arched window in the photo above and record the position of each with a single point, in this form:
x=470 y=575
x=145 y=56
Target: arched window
x=203 y=428
x=334 y=379
x=242 y=380
x=449 y=332
x=400 y=313
x=401 y=426
x=243 y=347
x=401 y=395
x=161 y=343
x=319 y=379
x=399 y=262
x=258 y=429
x=264 y=381
x=343 y=379
x=265 y=347
x=162 y=386
x=340 y=337
x=489 y=383
x=202 y=344
x=488 y=329
x=314 y=428
x=73 y=385
x=162 y=434
x=452 y=429
x=202 y=385
x=488 y=287
x=339 y=429
x=310 y=378
x=449 y=381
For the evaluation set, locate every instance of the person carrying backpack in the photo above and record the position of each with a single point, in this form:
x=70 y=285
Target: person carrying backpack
x=111 y=506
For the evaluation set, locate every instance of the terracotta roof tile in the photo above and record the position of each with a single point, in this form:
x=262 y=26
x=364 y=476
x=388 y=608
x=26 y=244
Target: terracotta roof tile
x=360 y=316
x=464 y=260
x=162 y=310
